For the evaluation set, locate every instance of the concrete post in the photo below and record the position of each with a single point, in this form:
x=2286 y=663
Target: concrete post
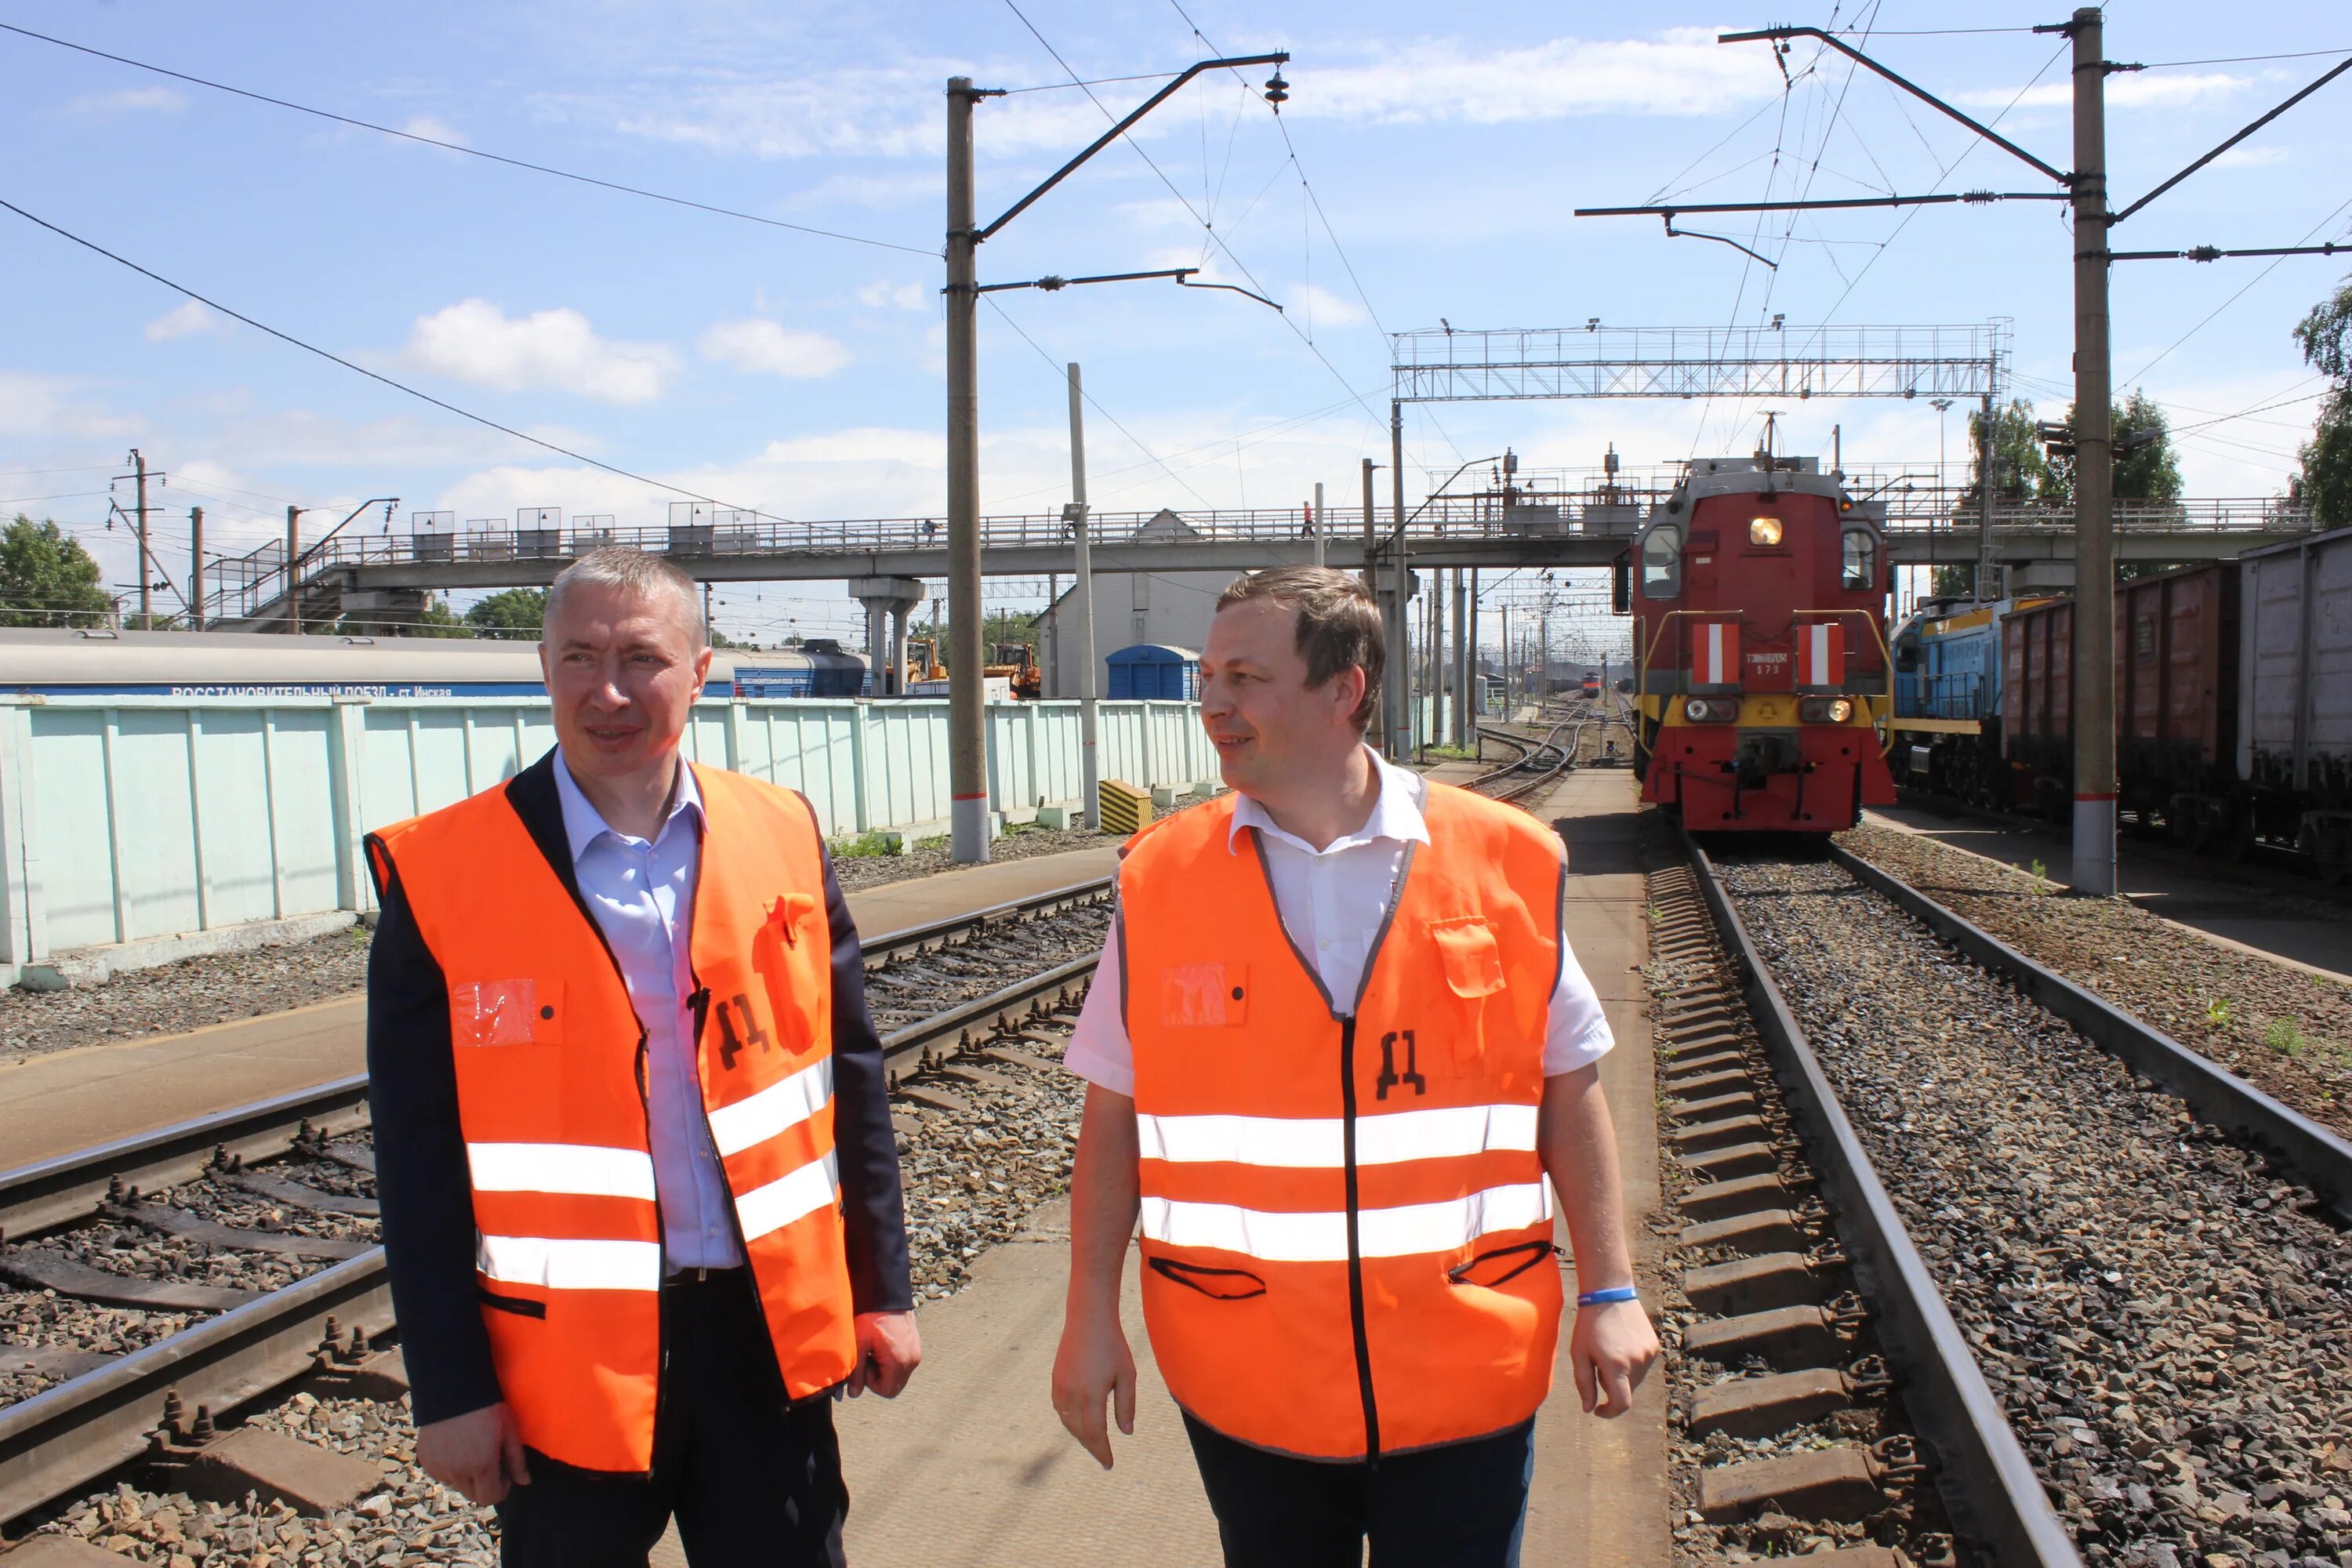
x=898 y=614
x=2094 y=548
x=967 y=732
x=1083 y=592
x=195 y=568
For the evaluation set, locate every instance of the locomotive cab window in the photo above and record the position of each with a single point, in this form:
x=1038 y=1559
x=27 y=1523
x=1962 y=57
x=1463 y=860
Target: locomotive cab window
x=1662 y=562
x=1860 y=560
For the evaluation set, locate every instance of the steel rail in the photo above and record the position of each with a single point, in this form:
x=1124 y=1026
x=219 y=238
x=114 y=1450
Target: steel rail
x=69 y=1187
x=936 y=934
x=71 y=1435
x=2321 y=1157
x=50 y=1192
x=1003 y=1010
x=1989 y=1486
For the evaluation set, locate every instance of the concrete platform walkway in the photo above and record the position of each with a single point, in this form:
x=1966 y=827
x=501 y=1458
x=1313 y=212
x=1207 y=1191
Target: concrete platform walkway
x=970 y=1466
x=69 y=1100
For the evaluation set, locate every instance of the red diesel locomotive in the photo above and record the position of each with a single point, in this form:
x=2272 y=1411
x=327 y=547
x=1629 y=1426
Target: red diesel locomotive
x=1759 y=590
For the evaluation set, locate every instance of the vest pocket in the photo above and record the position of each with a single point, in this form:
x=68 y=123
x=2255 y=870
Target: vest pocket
x=1204 y=995
x=1490 y=1269
x=505 y=1013
x=519 y=1306
x=1472 y=958
x=1218 y=1284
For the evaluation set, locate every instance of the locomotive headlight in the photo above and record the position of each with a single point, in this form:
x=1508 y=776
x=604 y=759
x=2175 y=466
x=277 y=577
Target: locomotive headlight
x=1824 y=709
x=1840 y=709
x=1764 y=531
x=1696 y=710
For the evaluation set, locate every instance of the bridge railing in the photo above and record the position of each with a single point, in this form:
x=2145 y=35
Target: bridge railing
x=1517 y=514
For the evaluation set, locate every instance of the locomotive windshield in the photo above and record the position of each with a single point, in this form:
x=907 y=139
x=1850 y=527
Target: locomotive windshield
x=1860 y=560
x=1662 y=562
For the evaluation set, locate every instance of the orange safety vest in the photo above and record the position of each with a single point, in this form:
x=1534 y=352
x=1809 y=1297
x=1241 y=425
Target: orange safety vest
x=1347 y=1233
x=550 y=1092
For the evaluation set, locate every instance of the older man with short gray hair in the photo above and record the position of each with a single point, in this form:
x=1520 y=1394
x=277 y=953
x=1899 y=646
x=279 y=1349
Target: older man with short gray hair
x=640 y=1188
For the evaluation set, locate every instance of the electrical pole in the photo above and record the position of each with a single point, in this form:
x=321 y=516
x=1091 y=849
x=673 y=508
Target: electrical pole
x=1436 y=619
x=146 y=569
x=1372 y=580
x=1507 y=710
x=1083 y=590
x=294 y=571
x=2094 y=545
x=1398 y=695
x=967 y=718
x=196 y=578
x=1461 y=659
x=1982 y=588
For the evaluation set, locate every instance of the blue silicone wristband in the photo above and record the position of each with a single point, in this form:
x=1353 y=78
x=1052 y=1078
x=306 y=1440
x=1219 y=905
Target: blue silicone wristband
x=1614 y=1293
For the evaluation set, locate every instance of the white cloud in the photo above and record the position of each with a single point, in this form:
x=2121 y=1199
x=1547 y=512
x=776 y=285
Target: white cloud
x=127 y=100
x=2254 y=158
x=883 y=294
x=475 y=341
x=758 y=344
x=1308 y=302
x=191 y=316
x=894 y=111
x=46 y=406
x=433 y=130
x=2164 y=92
x=1683 y=71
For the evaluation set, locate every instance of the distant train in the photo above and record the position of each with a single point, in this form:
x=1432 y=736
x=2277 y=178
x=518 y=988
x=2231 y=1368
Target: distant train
x=46 y=662
x=2232 y=700
x=1759 y=589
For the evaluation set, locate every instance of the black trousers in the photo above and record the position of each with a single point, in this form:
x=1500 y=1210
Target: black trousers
x=1461 y=1506
x=754 y=1481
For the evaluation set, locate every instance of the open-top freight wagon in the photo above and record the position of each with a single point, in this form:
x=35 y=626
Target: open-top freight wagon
x=2234 y=701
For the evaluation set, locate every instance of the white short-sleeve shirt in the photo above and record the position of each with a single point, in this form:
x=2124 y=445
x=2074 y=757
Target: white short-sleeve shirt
x=1332 y=901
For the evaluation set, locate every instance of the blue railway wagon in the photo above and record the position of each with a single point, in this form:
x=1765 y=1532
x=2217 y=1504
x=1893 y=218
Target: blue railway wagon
x=1155 y=672
x=821 y=668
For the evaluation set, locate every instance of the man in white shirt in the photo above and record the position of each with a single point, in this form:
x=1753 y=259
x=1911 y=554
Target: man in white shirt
x=1288 y=680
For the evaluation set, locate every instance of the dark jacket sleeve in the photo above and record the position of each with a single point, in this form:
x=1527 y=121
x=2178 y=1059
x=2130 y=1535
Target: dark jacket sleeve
x=874 y=1211
x=421 y=1182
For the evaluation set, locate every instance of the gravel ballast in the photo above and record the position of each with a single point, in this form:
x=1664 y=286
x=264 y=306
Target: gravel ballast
x=2162 y=1316
x=193 y=993
x=973 y=1177
x=2284 y=1030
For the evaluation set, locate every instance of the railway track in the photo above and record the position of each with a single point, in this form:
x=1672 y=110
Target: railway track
x=2103 y=1281
x=163 y=1279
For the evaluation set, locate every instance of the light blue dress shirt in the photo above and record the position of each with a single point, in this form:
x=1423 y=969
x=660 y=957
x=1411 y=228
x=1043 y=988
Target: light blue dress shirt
x=642 y=895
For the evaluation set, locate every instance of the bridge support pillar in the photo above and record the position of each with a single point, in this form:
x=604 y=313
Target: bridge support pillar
x=886 y=598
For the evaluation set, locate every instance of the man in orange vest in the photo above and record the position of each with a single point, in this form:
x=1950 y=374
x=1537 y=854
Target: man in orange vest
x=640 y=1188
x=1346 y=1045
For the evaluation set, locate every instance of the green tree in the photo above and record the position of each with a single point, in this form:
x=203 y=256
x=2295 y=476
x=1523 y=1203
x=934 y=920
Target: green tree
x=48 y=579
x=437 y=620
x=2325 y=338
x=2148 y=471
x=516 y=613
x=2020 y=472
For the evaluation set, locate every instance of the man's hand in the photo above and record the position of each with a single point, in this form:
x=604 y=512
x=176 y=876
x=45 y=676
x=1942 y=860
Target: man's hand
x=888 y=1352
x=479 y=1452
x=1094 y=1365
x=1611 y=1350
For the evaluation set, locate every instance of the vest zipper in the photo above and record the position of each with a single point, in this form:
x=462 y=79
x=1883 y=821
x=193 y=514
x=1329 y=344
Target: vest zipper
x=1354 y=1254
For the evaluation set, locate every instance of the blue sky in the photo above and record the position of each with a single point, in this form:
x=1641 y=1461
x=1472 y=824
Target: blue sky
x=802 y=375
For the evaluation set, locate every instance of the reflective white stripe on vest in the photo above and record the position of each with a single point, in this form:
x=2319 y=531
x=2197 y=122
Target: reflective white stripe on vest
x=785 y=1103
x=1317 y=1142
x=568 y=1265
x=1322 y=1237
x=789 y=1197
x=587 y=1170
